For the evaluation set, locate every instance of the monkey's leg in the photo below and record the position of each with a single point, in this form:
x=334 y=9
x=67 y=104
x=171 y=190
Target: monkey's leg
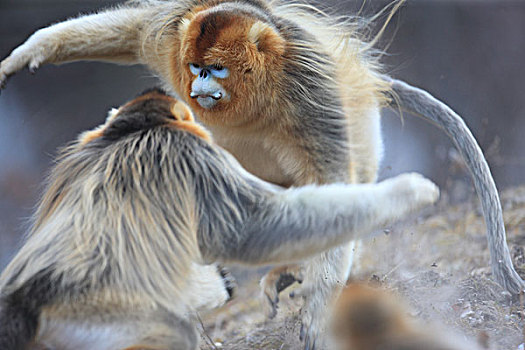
x=93 y=325
x=326 y=274
x=322 y=281
x=170 y=333
x=366 y=145
x=322 y=278
x=108 y=36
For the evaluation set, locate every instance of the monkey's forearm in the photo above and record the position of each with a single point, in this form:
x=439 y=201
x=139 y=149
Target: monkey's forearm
x=107 y=36
x=314 y=219
x=112 y=36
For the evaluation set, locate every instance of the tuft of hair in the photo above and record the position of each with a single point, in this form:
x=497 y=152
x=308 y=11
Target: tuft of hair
x=345 y=40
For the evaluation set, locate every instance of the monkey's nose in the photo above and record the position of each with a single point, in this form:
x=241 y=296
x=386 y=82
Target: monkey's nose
x=203 y=74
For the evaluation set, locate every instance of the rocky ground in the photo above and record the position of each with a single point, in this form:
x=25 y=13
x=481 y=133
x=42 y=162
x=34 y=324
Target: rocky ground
x=437 y=261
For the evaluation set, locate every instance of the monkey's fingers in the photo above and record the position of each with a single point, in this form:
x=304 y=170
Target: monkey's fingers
x=4 y=73
x=11 y=65
x=31 y=54
x=418 y=190
x=3 y=81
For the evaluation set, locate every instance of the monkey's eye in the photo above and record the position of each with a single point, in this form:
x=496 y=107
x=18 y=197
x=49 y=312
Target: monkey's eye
x=195 y=68
x=219 y=71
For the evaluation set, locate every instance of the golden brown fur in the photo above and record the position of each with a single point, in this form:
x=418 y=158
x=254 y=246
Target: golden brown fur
x=368 y=318
x=137 y=212
x=300 y=105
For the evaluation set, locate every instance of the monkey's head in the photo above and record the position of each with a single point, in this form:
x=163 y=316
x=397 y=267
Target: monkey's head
x=150 y=109
x=365 y=315
x=231 y=61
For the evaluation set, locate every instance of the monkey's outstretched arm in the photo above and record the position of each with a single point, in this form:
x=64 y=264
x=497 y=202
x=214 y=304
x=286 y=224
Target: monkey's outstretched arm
x=112 y=36
x=424 y=105
x=300 y=222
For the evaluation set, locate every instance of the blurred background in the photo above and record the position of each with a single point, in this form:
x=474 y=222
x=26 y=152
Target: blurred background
x=469 y=53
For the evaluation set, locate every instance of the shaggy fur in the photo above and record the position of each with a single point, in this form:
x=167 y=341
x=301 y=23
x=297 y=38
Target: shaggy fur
x=134 y=217
x=304 y=96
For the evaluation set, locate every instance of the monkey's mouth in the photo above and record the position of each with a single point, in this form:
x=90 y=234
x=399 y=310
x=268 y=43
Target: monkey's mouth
x=208 y=100
x=216 y=96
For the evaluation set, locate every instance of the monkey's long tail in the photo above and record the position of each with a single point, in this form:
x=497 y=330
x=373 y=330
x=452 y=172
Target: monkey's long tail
x=420 y=103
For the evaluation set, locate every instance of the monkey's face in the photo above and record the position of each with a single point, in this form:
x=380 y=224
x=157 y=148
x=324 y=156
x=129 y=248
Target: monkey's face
x=151 y=109
x=231 y=62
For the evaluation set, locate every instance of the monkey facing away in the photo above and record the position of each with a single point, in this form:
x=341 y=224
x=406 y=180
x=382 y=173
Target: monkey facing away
x=367 y=318
x=137 y=212
x=292 y=93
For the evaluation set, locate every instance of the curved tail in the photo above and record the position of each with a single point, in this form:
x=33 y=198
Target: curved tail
x=424 y=105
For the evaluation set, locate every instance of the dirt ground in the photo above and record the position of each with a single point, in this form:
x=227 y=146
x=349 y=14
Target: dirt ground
x=438 y=262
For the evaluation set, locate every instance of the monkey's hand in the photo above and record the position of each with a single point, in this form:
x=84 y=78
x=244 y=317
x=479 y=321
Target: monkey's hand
x=38 y=49
x=275 y=281
x=408 y=193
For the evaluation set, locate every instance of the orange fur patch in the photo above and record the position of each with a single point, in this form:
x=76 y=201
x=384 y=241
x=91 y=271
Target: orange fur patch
x=151 y=95
x=91 y=135
x=181 y=112
x=266 y=38
x=365 y=316
x=184 y=121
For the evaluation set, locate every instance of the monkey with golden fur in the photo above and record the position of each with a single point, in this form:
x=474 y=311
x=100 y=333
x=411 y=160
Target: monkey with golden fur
x=294 y=94
x=137 y=212
x=367 y=318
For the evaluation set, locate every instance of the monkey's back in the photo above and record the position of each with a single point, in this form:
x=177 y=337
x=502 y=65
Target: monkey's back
x=114 y=220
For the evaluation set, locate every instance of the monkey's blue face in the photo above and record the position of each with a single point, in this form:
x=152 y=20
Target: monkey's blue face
x=205 y=87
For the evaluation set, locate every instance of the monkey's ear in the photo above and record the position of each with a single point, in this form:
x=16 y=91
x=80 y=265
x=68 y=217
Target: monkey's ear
x=181 y=112
x=184 y=25
x=266 y=38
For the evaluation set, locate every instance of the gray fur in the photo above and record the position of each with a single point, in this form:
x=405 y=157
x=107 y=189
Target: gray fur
x=129 y=211
x=319 y=123
x=424 y=105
